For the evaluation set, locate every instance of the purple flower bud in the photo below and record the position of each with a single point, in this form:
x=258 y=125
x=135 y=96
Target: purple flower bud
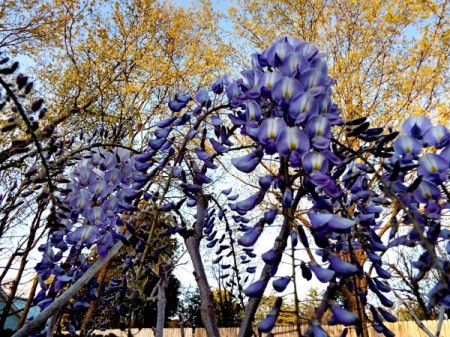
x=343 y=316
x=251 y=236
x=281 y=283
x=250 y=203
x=270 y=256
x=246 y=163
x=306 y=272
x=176 y=106
x=269 y=216
x=255 y=289
x=322 y=274
x=227 y=191
x=266 y=181
x=267 y=323
x=218 y=147
x=387 y=316
x=287 y=198
x=294 y=238
x=166 y=122
x=342 y=267
x=157 y=143
x=381 y=273
x=384 y=300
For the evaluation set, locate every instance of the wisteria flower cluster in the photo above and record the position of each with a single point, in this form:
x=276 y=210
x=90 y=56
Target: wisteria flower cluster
x=282 y=107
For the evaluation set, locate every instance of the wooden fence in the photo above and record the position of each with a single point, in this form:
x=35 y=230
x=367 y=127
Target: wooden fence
x=400 y=329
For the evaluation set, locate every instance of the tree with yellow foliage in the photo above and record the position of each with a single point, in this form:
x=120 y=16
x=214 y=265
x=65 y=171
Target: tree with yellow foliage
x=390 y=58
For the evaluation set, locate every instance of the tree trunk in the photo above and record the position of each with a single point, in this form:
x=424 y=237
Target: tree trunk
x=192 y=241
x=161 y=305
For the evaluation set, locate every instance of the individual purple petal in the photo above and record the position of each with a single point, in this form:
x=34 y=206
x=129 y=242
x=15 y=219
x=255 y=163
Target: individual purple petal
x=202 y=154
x=87 y=234
x=343 y=316
x=270 y=129
x=96 y=214
x=306 y=49
x=302 y=106
x=427 y=191
x=340 y=225
x=104 y=242
x=267 y=80
x=416 y=126
x=384 y=300
x=281 y=283
x=253 y=111
x=277 y=52
x=315 y=161
x=99 y=188
x=286 y=88
x=80 y=202
x=143 y=157
x=382 y=286
x=313 y=80
x=233 y=91
x=432 y=165
x=381 y=272
x=437 y=135
x=323 y=275
x=162 y=133
x=291 y=139
x=293 y=63
x=342 y=267
x=182 y=98
x=407 y=146
x=255 y=289
x=85 y=176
